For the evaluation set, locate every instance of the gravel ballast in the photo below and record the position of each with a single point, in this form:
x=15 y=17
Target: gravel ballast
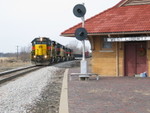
x=36 y=92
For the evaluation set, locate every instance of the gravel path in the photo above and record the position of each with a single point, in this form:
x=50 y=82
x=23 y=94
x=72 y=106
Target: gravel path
x=37 y=92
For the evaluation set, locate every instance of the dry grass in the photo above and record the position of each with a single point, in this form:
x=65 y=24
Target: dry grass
x=11 y=63
x=4 y=58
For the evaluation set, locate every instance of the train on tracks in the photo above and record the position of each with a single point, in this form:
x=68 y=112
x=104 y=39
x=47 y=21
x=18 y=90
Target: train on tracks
x=46 y=52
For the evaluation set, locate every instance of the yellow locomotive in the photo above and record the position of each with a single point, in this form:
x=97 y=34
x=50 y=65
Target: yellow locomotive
x=45 y=52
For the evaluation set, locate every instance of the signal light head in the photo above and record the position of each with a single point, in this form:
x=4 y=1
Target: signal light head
x=81 y=33
x=79 y=10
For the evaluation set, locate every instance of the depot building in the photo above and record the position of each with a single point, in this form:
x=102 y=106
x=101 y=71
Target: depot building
x=119 y=38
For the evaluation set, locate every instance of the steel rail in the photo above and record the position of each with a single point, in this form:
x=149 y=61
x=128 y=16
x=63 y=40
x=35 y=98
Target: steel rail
x=12 y=74
x=15 y=70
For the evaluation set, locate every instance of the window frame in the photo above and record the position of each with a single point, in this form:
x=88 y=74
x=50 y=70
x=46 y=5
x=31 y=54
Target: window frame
x=102 y=49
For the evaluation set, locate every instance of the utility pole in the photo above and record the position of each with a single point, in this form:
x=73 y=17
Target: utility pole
x=17 y=51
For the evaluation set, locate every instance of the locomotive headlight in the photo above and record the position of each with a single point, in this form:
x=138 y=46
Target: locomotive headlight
x=45 y=56
x=34 y=56
x=41 y=39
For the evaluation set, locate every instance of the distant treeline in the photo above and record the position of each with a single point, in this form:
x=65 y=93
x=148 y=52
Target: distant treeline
x=7 y=54
x=24 y=56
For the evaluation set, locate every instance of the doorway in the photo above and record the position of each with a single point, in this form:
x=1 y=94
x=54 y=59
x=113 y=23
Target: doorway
x=135 y=58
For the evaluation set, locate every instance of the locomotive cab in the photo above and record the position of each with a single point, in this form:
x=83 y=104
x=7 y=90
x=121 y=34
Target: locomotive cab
x=41 y=51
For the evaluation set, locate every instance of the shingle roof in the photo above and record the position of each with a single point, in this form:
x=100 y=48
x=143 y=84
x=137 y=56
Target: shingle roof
x=117 y=19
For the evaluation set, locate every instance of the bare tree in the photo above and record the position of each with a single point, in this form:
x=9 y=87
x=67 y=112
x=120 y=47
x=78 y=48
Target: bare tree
x=25 y=53
x=74 y=45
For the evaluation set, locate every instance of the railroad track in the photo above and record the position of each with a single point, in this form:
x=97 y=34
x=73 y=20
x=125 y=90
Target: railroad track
x=12 y=74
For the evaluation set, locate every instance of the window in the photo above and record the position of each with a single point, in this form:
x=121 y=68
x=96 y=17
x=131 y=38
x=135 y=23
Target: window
x=106 y=45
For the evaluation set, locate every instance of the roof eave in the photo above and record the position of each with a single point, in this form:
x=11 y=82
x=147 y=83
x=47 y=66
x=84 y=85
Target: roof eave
x=109 y=33
x=121 y=3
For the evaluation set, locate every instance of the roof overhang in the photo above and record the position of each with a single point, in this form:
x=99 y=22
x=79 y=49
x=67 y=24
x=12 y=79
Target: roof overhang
x=109 y=33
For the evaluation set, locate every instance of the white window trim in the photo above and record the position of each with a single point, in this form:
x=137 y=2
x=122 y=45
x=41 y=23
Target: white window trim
x=106 y=51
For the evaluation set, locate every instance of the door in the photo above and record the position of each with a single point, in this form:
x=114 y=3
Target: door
x=135 y=58
x=141 y=62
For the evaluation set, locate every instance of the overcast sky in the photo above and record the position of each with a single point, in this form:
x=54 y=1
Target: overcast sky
x=23 y=20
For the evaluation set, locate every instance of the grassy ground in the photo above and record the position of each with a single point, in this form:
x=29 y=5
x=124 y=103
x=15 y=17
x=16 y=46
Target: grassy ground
x=11 y=63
